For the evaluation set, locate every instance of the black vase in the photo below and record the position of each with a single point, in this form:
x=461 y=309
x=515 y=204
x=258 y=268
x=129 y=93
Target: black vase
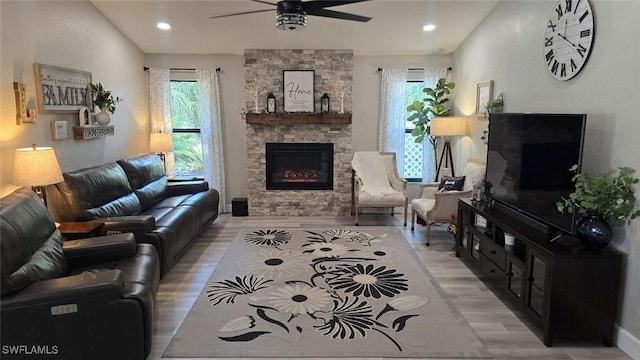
x=594 y=232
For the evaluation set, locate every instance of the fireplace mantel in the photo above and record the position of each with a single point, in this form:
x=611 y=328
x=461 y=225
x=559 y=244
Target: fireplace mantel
x=298 y=118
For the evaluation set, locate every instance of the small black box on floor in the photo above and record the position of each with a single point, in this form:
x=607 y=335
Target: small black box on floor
x=239 y=207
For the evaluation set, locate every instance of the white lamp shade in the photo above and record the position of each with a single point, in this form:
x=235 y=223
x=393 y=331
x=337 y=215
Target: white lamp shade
x=36 y=166
x=448 y=126
x=160 y=143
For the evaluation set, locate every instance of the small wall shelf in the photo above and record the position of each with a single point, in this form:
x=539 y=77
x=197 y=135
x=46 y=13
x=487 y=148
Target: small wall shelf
x=298 y=118
x=92 y=132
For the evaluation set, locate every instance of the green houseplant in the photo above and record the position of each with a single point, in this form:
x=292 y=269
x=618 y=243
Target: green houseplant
x=495 y=105
x=608 y=198
x=434 y=104
x=492 y=106
x=103 y=99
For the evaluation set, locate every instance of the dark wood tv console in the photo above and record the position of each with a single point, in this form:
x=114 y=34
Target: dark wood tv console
x=567 y=291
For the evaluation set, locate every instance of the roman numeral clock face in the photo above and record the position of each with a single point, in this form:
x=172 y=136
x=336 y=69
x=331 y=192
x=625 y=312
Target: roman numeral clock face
x=568 y=38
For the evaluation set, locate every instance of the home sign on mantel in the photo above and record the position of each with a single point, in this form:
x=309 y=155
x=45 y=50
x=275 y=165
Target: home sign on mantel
x=298 y=90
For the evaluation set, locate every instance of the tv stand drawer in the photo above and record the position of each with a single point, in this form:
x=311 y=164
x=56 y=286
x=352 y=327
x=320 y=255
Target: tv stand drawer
x=494 y=252
x=490 y=269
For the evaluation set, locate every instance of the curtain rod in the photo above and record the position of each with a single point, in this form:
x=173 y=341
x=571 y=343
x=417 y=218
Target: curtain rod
x=448 y=69
x=146 y=68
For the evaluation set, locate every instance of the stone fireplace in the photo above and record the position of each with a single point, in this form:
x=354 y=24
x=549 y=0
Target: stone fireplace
x=269 y=191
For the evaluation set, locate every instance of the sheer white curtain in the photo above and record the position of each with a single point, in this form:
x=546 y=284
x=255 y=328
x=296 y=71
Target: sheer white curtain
x=393 y=113
x=211 y=131
x=430 y=79
x=160 y=107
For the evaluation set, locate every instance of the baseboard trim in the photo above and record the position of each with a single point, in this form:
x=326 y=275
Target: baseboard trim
x=628 y=343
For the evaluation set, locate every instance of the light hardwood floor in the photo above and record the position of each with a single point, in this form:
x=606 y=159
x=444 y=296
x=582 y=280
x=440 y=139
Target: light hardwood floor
x=504 y=334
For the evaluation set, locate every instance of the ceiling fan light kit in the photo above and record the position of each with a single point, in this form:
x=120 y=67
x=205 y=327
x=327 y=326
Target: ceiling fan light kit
x=291 y=21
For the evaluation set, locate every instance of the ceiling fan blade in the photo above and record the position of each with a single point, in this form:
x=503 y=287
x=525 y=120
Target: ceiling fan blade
x=264 y=2
x=240 y=13
x=321 y=4
x=337 y=15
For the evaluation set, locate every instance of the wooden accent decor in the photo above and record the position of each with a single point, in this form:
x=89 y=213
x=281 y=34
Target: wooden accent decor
x=92 y=132
x=298 y=118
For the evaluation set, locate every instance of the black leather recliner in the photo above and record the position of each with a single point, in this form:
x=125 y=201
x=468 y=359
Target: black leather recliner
x=83 y=299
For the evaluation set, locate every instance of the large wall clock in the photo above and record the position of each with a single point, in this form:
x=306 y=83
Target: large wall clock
x=568 y=38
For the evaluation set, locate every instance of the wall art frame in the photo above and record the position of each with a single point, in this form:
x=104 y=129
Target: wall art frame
x=62 y=90
x=297 y=86
x=484 y=93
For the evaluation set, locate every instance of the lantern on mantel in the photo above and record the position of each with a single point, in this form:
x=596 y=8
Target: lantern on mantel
x=324 y=103
x=271 y=103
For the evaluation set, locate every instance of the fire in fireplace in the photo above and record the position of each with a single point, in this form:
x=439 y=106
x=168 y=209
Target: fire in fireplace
x=299 y=166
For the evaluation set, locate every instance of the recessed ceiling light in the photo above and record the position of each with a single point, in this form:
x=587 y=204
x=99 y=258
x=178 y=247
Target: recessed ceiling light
x=429 y=27
x=163 y=26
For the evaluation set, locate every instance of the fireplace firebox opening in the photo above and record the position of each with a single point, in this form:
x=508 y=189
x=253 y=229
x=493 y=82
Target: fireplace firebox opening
x=299 y=166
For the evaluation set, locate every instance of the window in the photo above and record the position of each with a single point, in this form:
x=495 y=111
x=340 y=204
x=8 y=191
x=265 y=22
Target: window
x=413 y=152
x=187 y=144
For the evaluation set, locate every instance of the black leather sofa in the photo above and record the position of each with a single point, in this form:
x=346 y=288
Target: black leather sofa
x=83 y=299
x=134 y=195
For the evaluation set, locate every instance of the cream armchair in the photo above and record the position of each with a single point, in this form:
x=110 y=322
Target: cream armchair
x=433 y=206
x=360 y=198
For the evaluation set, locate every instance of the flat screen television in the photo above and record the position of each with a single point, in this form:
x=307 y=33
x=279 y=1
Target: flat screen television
x=528 y=160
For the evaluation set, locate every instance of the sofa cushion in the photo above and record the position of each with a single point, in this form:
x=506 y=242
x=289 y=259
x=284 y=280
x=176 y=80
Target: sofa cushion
x=99 y=191
x=151 y=193
x=125 y=206
x=142 y=170
x=31 y=246
x=147 y=178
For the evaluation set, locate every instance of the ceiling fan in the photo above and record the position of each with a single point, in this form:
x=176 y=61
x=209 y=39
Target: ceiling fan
x=292 y=14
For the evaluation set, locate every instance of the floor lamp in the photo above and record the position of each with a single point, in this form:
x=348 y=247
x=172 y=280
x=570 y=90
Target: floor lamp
x=36 y=167
x=161 y=143
x=447 y=127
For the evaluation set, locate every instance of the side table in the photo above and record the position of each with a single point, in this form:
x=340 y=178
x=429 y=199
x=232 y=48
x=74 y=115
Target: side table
x=80 y=230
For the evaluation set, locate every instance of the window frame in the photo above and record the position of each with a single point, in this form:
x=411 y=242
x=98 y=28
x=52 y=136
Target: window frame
x=408 y=131
x=184 y=79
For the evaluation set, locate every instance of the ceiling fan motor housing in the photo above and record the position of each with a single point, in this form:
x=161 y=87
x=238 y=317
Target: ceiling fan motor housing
x=291 y=16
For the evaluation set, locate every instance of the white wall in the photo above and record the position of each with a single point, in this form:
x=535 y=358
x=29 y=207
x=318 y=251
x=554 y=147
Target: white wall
x=507 y=47
x=73 y=35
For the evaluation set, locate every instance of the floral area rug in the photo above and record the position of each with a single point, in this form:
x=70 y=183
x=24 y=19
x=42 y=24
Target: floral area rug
x=322 y=293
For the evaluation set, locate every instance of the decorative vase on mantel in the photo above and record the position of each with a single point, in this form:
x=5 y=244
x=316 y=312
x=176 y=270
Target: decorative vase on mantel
x=103 y=118
x=594 y=232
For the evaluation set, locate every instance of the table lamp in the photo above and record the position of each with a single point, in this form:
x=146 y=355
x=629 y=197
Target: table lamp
x=36 y=167
x=161 y=143
x=447 y=127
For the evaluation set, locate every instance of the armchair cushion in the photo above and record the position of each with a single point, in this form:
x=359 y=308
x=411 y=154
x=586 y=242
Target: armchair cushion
x=448 y=183
x=47 y=262
x=31 y=245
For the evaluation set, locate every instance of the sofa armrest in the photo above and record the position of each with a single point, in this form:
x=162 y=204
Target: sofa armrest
x=133 y=223
x=447 y=202
x=101 y=249
x=186 y=187
x=70 y=289
x=428 y=190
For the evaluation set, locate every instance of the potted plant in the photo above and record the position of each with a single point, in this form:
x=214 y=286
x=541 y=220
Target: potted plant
x=435 y=104
x=495 y=105
x=103 y=99
x=492 y=106
x=601 y=201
